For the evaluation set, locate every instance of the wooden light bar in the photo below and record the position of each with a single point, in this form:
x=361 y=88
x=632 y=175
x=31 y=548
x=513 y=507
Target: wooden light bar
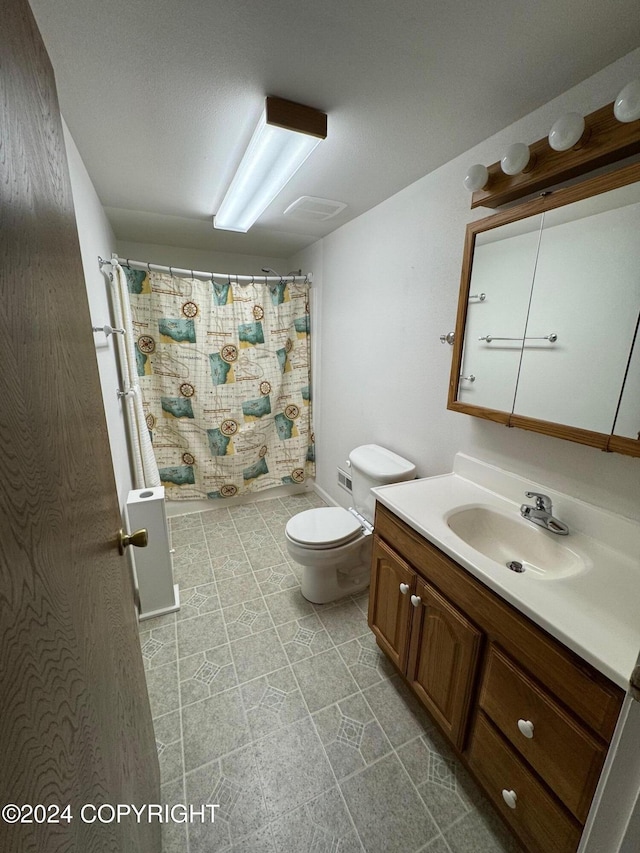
x=605 y=140
x=292 y=116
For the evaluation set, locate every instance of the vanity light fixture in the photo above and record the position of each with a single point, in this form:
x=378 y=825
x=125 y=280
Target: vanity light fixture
x=566 y=132
x=286 y=135
x=626 y=106
x=476 y=178
x=516 y=159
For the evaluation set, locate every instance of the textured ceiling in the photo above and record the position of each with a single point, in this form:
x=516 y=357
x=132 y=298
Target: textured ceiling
x=162 y=97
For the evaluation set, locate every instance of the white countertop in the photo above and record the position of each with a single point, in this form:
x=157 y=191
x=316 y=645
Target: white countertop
x=596 y=612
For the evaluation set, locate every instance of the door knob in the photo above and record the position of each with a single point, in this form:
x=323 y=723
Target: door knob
x=416 y=600
x=404 y=588
x=140 y=538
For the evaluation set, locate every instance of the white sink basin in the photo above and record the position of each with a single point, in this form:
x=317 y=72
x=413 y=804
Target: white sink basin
x=515 y=543
x=472 y=515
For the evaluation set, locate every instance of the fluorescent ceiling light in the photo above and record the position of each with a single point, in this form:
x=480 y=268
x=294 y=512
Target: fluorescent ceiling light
x=286 y=135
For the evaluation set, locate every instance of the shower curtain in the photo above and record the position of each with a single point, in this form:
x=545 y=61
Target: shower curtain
x=223 y=370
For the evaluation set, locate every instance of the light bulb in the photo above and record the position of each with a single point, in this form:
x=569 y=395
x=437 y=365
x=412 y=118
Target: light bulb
x=515 y=158
x=566 y=132
x=476 y=178
x=626 y=106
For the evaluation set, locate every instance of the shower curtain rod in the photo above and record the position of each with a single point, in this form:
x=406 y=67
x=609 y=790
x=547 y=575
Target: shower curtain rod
x=145 y=265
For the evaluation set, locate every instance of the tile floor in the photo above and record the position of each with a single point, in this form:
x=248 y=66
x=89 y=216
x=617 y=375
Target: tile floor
x=287 y=715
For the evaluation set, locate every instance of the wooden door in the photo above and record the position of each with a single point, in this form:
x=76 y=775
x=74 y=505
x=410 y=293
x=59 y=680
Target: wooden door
x=443 y=660
x=392 y=582
x=75 y=723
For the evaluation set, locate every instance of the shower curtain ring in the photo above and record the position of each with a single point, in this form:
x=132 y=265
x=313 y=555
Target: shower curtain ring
x=148 y=267
x=171 y=271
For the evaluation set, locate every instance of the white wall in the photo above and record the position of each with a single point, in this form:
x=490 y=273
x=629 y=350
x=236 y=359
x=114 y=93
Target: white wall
x=386 y=287
x=96 y=238
x=199 y=259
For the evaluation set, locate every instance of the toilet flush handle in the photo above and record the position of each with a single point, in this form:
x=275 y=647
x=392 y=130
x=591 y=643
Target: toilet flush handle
x=404 y=588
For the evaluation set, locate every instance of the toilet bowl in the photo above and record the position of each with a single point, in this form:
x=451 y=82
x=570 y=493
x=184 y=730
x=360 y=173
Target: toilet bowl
x=333 y=544
x=334 y=549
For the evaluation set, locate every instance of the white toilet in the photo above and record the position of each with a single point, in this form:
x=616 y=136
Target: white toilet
x=334 y=544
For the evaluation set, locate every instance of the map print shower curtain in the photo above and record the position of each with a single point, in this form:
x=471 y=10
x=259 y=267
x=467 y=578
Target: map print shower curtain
x=224 y=373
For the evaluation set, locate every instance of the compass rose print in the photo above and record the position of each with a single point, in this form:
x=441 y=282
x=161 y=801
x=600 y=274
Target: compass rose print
x=151 y=421
x=229 y=427
x=263 y=451
x=258 y=312
x=288 y=345
x=297 y=475
x=265 y=388
x=188 y=458
x=187 y=389
x=190 y=309
x=146 y=344
x=228 y=490
x=292 y=412
x=229 y=353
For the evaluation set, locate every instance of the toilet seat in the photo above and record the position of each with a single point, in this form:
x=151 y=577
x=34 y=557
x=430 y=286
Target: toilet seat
x=323 y=527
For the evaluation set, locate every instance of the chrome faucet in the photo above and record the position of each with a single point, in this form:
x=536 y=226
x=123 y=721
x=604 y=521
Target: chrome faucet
x=542 y=514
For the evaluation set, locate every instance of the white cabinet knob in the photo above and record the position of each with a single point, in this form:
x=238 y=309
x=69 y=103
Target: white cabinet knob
x=526 y=728
x=416 y=600
x=509 y=797
x=404 y=588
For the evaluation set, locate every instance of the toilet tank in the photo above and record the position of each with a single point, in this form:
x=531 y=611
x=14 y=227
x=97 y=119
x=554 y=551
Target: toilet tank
x=372 y=465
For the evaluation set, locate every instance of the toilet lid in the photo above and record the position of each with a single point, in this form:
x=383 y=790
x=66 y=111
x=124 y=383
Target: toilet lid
x=328 y=526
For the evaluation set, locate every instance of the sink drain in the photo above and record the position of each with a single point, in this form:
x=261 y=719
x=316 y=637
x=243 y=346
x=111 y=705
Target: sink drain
x=515 y=566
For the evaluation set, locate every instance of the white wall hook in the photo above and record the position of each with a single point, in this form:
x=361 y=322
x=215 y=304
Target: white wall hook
x=108 y=330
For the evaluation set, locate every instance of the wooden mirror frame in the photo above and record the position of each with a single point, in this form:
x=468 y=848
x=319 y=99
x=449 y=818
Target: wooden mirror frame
x=548 y=201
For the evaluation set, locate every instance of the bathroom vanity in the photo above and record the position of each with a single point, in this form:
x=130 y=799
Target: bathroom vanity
x=524 y=672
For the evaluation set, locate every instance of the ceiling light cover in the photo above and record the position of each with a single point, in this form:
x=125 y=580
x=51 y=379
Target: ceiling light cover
x=280 y=144
x=476 y=178
x=566 y=132
x=626 y=106
x=515 y=159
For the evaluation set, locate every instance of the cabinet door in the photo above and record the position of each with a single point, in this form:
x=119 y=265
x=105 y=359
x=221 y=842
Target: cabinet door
x=443 y=659
x=392 y=583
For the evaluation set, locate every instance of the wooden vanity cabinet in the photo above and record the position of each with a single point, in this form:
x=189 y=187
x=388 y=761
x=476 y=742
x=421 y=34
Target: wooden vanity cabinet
x=430 y=641
x=531 y=719
x=389 y=608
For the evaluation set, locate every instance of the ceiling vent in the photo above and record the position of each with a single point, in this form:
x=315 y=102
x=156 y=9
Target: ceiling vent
x=313 y=209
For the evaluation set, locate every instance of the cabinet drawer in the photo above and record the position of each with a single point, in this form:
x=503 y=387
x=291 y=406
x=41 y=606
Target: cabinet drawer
x=561 y=750
x=538 y=819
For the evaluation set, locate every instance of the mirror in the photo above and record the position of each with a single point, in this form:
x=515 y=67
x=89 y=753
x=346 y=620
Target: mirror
x=547 y=326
